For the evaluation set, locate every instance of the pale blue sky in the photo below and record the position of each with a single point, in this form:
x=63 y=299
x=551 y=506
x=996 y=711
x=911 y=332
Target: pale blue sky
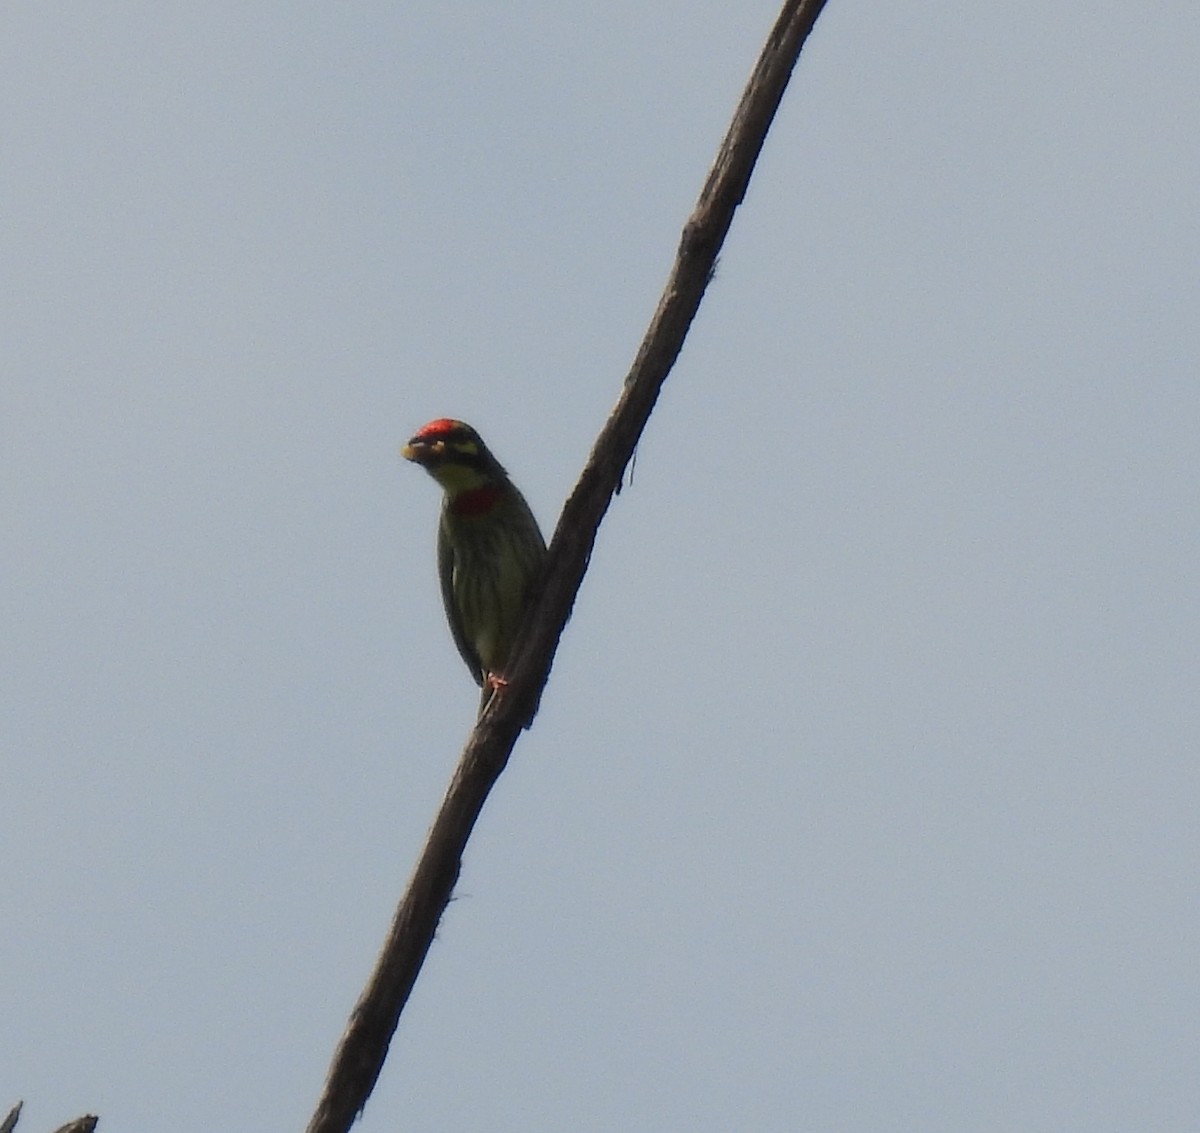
x=864 y=794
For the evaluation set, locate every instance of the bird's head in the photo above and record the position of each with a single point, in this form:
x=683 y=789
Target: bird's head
x=455 y=456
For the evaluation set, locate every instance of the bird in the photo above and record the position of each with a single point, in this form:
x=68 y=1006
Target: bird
x=490 y=550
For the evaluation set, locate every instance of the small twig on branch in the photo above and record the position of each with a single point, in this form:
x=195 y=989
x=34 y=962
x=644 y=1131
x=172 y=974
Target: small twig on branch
x=363 y=1047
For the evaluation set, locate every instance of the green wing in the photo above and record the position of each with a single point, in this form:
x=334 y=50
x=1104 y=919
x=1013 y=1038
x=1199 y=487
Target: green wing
x=446 y=569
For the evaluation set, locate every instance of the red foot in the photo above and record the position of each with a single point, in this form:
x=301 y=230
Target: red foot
x=495 y=681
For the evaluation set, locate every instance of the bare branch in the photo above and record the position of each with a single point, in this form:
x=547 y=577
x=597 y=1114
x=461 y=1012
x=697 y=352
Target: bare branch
x=363 y=1047
x=85 y=1124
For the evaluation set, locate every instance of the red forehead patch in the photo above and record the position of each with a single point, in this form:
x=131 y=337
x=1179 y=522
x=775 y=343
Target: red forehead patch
x=438 y=428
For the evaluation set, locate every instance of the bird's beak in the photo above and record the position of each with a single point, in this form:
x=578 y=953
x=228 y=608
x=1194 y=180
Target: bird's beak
x=422 y=452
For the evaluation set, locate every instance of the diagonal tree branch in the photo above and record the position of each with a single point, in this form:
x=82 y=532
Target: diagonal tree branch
x=363 y=1048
